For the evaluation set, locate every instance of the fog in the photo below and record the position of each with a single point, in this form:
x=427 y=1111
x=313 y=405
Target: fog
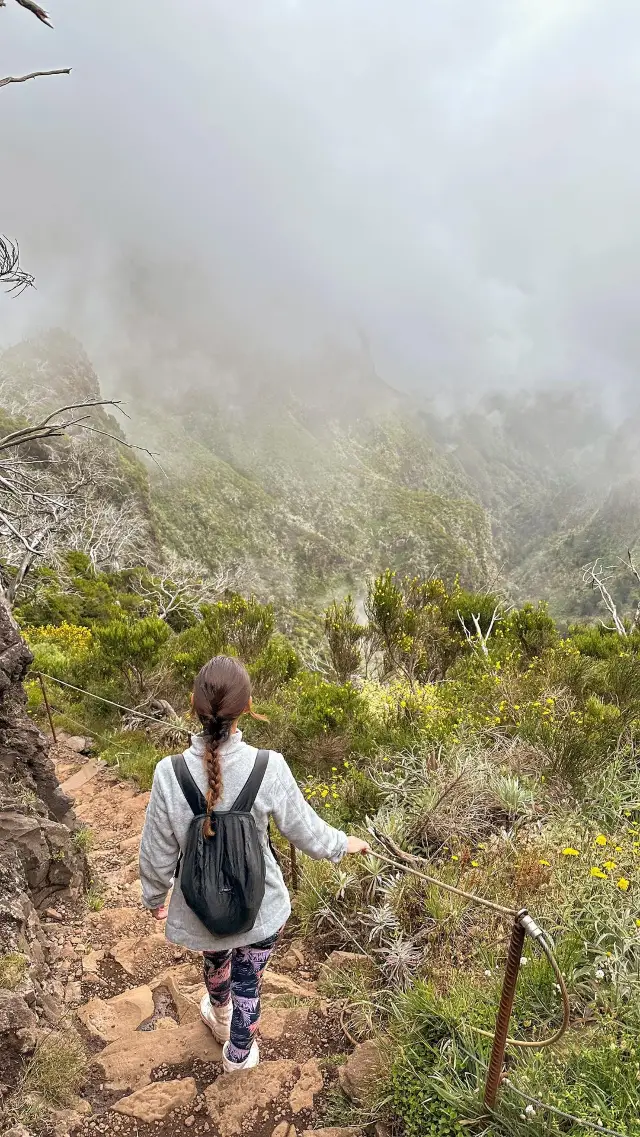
x=459 y=179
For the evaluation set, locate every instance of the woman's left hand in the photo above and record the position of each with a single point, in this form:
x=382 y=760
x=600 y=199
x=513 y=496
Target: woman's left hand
x=160 y=913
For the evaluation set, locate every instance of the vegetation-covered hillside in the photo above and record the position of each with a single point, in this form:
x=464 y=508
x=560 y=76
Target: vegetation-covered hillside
x=304 y=484
x=480 y=740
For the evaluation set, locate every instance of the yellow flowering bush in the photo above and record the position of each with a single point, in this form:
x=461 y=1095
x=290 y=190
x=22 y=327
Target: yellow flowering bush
x=72 y=639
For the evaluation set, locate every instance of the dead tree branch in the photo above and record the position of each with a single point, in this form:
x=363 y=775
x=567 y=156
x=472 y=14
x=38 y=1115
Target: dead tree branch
x=179 y=587
x=37 y=11
x=52 y=498
x=49 y=428
x=479 y=641
x=43 y=16
x=594 y=576
x=33 y=75
x=11 y=273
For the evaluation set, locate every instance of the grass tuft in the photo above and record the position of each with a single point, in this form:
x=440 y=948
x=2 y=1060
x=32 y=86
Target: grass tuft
x=13 y=968
x=83 y=840
x=52 y=1080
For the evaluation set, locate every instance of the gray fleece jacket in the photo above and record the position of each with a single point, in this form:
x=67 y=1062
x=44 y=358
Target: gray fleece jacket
x=168 y=818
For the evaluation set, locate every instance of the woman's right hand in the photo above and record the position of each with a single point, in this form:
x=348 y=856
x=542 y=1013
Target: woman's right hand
x=355 y=845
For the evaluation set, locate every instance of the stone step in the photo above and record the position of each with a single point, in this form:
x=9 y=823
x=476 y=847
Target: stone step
x=82 y=776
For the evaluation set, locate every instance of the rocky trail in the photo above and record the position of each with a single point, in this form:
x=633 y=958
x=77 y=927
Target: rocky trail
x=155 y=1068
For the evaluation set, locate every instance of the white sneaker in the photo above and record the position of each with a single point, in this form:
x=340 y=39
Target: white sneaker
x=218 y=1019
x=252 y=1059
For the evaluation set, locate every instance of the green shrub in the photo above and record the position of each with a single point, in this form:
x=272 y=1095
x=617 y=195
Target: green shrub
x=83 y=840
x=408 y=619
x=191 y=649
x=276 y=665
x=130 y=648
x=344 y=635
x=598 y=642
x=243 y=627
x=531 y=628
x=51 y=659
x=325 y=722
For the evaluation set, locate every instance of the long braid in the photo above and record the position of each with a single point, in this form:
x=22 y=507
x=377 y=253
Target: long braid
x=216 y=731
x=221 y=693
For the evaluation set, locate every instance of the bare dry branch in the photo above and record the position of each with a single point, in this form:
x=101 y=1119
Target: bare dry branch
x=37 y=11
x=43 y=16
x=52 y=501
x=594 y=576
x=479 y=641
x=33 y=75
x=11 y=273
x=47 y=428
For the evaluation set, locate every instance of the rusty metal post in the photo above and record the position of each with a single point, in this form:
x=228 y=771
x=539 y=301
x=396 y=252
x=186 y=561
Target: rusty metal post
x=503 y=1017
x=46 y=703
x=294 y=867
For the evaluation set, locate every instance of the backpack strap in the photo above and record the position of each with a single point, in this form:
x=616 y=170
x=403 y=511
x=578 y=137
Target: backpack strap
x=249 y=791
x=188 y=785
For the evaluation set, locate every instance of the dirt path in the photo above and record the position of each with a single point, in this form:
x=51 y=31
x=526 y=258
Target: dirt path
x=155 y=1067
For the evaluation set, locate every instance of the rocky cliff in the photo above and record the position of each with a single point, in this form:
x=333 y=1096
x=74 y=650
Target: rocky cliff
x=39 y=864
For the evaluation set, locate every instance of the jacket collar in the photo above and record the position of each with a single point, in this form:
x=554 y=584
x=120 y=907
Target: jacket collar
x=198 y=745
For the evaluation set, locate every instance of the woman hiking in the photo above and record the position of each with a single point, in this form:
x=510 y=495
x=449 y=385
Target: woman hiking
x=223 y=768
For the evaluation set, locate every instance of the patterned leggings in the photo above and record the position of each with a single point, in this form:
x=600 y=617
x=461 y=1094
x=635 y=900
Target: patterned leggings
x=237 y=975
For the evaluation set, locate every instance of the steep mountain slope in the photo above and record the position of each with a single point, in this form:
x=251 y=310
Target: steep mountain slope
x=305 y=481
x=311 y=506
x=302 y=488
x=562 y=484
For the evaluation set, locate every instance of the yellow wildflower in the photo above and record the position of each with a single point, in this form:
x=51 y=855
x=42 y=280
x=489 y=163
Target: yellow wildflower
x=454 y=857
x=570 y=853
x=623 y=884
x=601 y=839
x=609 y=865
x=595 y=871
x=547 y=864
x=475 y=864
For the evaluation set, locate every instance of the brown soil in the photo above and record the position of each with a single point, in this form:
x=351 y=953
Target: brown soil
x=114 y=811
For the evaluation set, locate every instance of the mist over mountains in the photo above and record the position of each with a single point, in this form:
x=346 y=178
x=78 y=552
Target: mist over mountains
x=310 y=484
x=269 y=177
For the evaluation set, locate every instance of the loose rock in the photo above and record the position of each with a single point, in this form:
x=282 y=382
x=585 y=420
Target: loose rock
x=157 y=1100
x=276 y=984
x=112 y=1018
x=339 y=1132
x=276 y=1021
x=361 y=1072
x=309 y=1083
x=128 y=1062
x=342 y=961
x=234 y=1099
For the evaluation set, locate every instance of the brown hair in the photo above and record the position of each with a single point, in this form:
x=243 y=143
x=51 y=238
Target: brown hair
x=221 y=692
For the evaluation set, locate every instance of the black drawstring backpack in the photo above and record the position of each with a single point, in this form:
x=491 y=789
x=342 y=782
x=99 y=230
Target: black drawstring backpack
x=223 y=877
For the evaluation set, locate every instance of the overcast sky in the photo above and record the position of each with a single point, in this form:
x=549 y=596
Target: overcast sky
x=458 y=178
